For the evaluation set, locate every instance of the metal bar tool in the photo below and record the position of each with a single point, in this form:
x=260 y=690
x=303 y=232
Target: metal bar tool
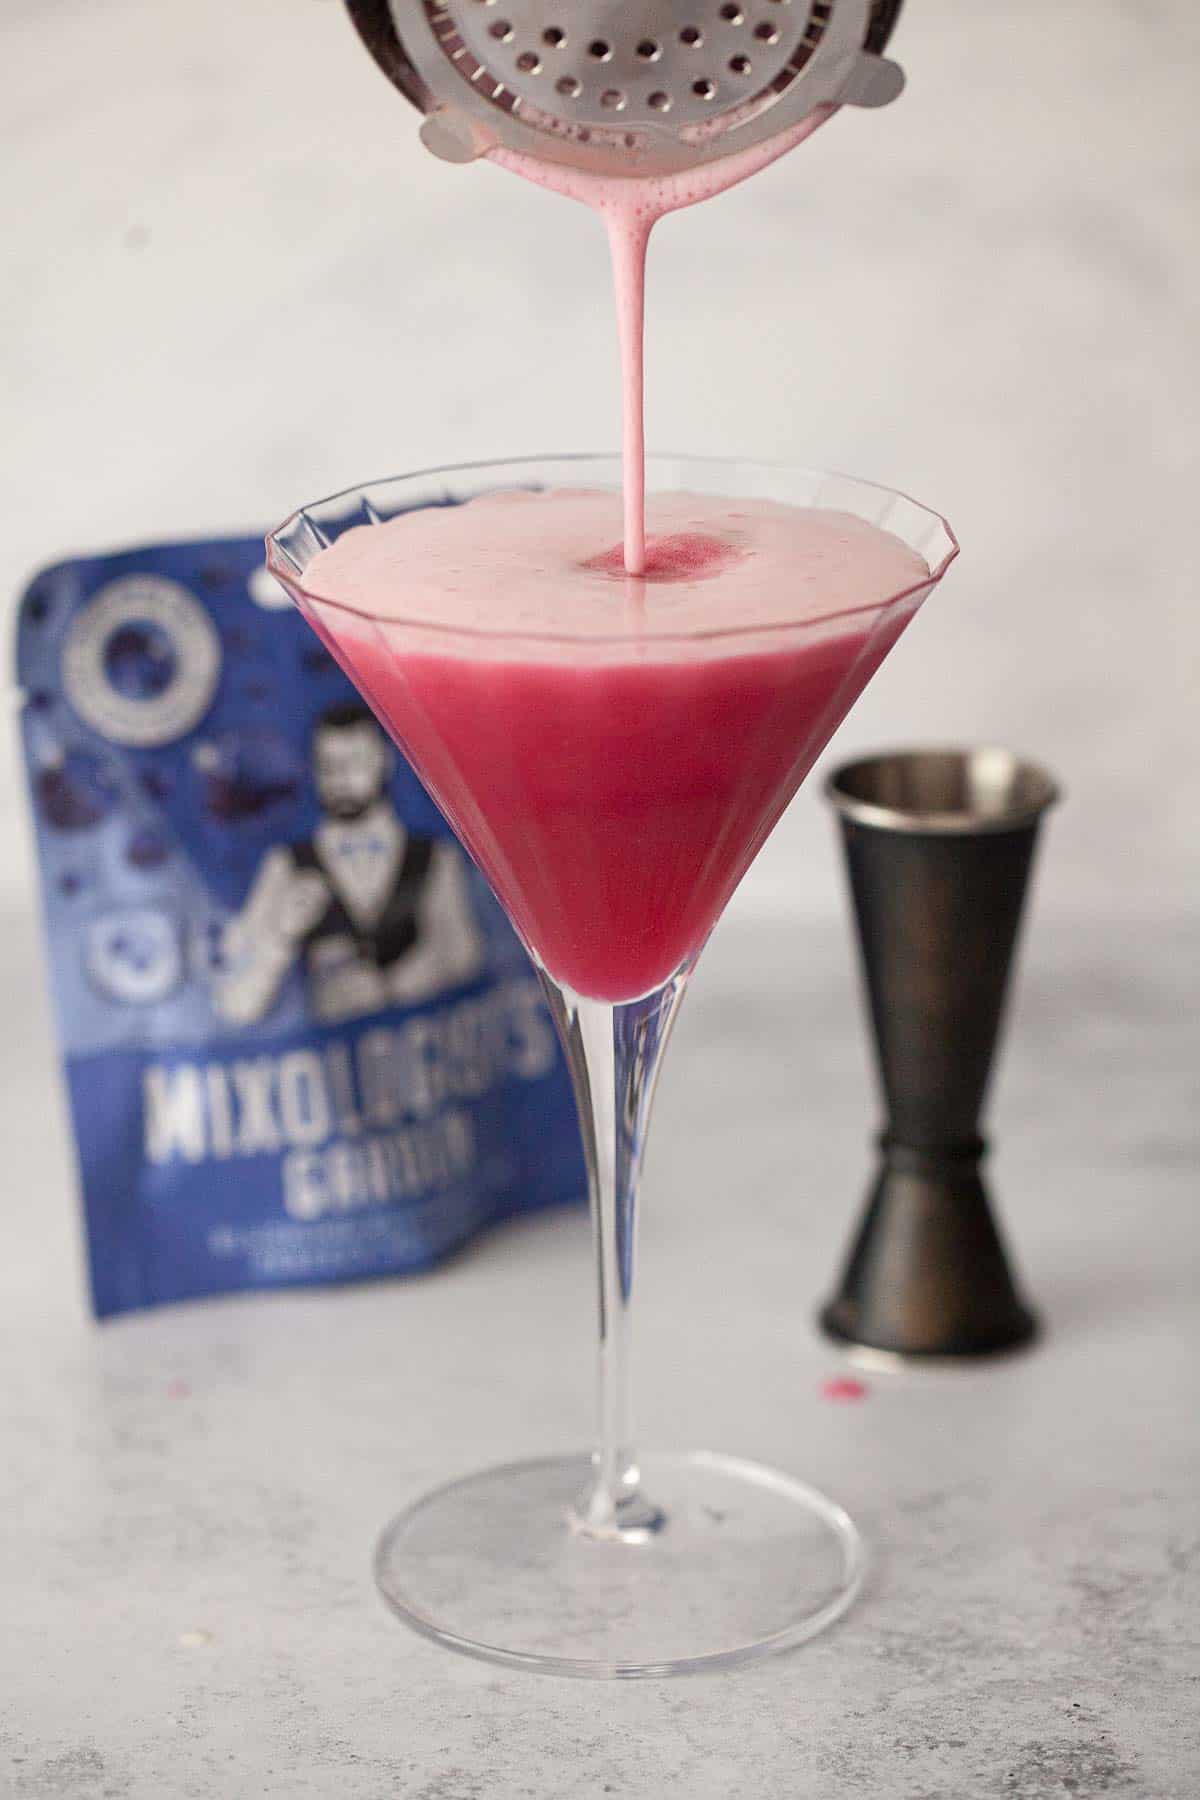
x=939 y=846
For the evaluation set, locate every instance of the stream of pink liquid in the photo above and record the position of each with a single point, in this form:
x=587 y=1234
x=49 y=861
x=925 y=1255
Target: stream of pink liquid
x=631 y=207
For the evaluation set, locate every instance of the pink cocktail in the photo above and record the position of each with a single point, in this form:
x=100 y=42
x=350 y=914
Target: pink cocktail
x=613 y=752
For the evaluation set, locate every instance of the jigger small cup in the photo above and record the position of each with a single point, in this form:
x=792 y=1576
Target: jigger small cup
x=939 y=845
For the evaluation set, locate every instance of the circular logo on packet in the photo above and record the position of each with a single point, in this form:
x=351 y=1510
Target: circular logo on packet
x=134 y=956
x=266 y=592
x=141 y=661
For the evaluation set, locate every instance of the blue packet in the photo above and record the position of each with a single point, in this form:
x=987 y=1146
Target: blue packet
x=301 y=1041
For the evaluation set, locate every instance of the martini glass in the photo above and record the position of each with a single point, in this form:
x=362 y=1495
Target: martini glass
x=614 y=790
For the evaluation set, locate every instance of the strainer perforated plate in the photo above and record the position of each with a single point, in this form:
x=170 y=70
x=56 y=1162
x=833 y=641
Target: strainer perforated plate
x=626 y=88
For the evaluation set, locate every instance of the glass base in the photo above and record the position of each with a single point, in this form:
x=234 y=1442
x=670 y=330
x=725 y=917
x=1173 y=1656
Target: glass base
x=746 y=1562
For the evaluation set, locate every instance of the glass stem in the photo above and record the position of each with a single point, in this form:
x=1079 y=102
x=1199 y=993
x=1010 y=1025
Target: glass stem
x=614 y=1053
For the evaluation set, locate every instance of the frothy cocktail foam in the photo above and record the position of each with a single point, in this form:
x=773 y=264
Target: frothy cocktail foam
x=550 y=565
x=631 y=206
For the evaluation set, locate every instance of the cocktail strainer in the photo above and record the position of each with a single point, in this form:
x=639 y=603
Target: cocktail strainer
x=652 y=87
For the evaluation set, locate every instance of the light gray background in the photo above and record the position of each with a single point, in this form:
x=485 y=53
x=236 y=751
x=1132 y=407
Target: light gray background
x=232 y=281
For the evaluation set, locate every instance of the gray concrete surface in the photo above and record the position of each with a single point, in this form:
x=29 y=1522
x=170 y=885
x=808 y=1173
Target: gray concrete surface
x=188 y=1499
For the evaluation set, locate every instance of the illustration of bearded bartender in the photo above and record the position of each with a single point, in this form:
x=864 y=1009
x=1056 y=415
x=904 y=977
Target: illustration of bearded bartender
x=378 y=914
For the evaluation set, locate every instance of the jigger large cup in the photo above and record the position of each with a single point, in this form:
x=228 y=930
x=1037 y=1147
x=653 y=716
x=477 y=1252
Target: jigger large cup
x=939 y=845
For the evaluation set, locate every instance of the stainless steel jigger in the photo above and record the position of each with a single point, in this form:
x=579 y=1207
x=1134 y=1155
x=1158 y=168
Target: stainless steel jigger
x=652 y=88
x=939 y=847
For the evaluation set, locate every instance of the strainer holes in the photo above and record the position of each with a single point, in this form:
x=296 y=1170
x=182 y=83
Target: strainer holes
x=501 y=30
x=766 y=33
x=554 y=36
x=659 y=101
x=648 y=50
x=692 y=36
x=529 y=62
x=568 y=85
x=739 y=65
x=732 y=15
x=600 y=50
x=705 y=89
x=613 y=100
